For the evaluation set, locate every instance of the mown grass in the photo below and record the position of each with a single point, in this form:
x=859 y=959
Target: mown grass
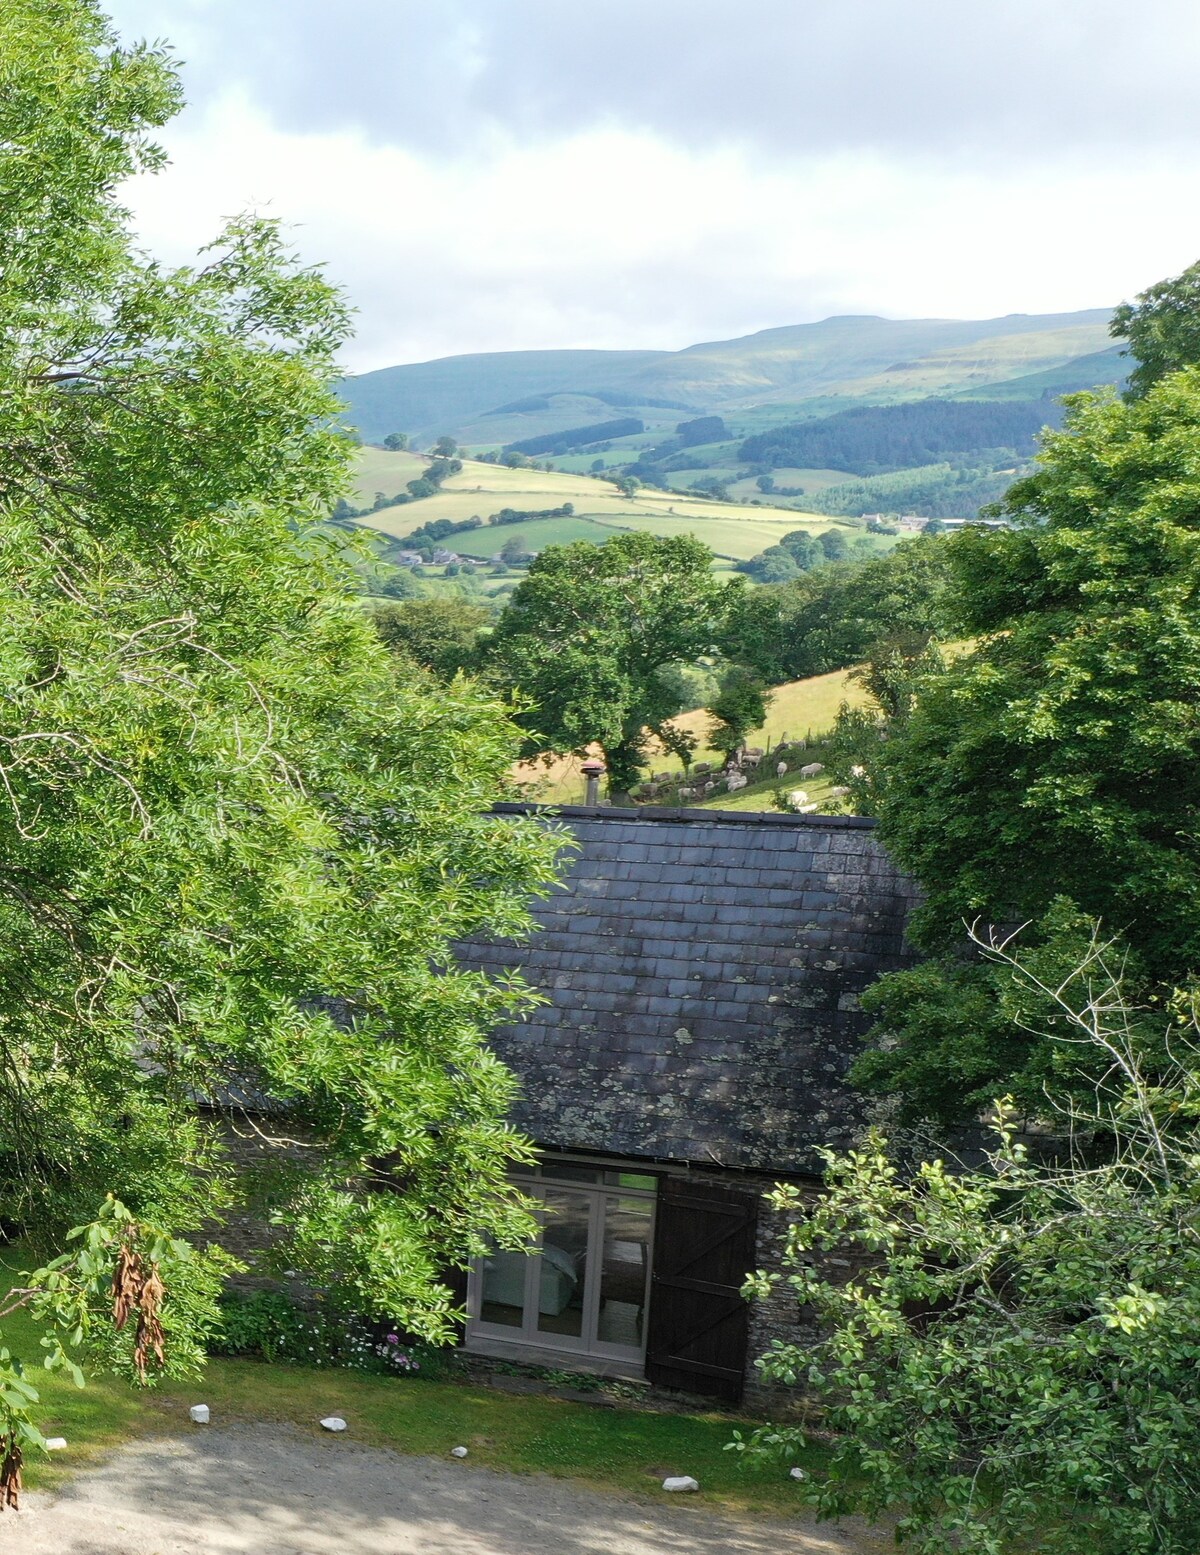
x=612 y=1448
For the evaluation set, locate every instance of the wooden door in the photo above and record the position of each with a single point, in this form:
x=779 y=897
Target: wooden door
x=698 y=1321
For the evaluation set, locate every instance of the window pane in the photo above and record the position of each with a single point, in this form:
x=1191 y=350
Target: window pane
x=563 y=1271
x=502 y=1296
x=564 y=1173
x=624 y=1262
x=630 y=1180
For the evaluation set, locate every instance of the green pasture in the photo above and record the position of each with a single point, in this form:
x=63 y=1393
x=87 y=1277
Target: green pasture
x=760 y=796
x=536 y=534
x=734 y=530
x=810 y=480
x=742 y=534
x=379 y=470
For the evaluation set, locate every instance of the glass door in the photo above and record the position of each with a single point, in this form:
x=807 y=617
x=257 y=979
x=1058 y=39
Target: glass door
x=585 y=1288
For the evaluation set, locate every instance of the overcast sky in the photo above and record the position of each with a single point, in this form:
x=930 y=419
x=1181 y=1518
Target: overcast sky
x=487 y=175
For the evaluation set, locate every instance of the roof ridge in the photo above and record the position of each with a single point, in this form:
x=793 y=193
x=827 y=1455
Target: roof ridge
x=693 y=816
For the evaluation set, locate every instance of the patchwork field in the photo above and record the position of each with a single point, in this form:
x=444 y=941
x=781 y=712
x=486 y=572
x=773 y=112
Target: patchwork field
x=732 y=530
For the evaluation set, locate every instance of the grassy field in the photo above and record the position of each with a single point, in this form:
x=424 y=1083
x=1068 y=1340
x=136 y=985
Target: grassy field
x=757 y=797
x=619 y=1449
x=801 y=709
x=536 y=534
x=733 y=531
x=379 y=470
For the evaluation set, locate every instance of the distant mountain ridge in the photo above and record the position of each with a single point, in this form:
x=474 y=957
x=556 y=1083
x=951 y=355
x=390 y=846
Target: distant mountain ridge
x=791 y=370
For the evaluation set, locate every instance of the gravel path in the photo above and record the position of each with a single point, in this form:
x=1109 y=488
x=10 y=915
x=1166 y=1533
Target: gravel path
x=274 y=1491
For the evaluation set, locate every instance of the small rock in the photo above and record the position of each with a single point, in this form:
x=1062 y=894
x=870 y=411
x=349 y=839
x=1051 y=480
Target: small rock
x=55 y=1443
x=199 y=1413
x=334 y=1423
x=458 y=1452
x=797 y=1474
x=681 y=1482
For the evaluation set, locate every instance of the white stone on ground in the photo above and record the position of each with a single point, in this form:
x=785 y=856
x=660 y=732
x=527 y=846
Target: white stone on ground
x=458 y=1452
x=681 y=1482
x=334 y=1423
x=55 y=1443
x=199 y=1413
x=797 y=1474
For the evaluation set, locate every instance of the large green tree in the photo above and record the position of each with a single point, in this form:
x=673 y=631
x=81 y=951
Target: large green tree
x=1013 y=1365
x=1061 y=757
x=235 y=843
x=1162 y=327
x=830 y=617
x=588 y=631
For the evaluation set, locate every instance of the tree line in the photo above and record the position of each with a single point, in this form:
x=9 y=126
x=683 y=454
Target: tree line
x=872 y=439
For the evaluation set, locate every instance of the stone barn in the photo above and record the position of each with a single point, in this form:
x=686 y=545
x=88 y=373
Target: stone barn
x=702 y=971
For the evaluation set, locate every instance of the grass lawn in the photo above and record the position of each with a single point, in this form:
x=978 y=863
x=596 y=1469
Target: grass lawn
x=611 y=1448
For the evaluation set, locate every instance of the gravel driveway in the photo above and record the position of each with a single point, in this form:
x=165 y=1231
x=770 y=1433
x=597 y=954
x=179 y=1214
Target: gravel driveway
x=274 y=1491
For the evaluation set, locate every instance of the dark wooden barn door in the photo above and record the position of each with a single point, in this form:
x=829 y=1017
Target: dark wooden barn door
x=703 y=1251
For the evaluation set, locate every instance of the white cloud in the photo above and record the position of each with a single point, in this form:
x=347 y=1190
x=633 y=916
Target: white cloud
x=621 y=237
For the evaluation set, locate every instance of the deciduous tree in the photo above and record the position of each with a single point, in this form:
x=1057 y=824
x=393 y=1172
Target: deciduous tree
x=1061 y=757
x=588 y=630
x=235 y=843
x=1013 y=1365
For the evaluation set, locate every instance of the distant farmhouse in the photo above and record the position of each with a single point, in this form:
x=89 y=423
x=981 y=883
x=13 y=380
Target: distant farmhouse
x=703 y=971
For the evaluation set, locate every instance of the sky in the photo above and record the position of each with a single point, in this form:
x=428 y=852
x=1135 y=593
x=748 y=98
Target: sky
x=488 y=175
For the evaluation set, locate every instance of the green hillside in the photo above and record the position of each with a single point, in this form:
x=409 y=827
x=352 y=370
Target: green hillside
x=496 y=398
x=428 y=398
x=1085 y=372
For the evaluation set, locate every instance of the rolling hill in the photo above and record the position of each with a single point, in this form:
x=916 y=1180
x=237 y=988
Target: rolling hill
x=733 y=531
x=498 y=398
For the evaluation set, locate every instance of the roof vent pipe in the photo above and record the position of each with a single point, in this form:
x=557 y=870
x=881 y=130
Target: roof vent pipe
x=593 y=770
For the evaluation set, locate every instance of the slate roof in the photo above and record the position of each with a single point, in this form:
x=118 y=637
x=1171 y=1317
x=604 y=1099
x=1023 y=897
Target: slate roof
x=702 y=969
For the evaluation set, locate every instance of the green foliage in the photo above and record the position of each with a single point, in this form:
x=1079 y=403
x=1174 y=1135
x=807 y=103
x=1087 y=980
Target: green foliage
x=270 y=1326
x=578 y=437
x=942 y=490
x=587 y=632
x=238 y=841
x=128 y=1299
x=1162 y=328
x=1013 y=1363
x=396 y=442
x=739 y=707
x=704 y=429
x=828 y=618
x=441 y=634
x=875 y=439
x=1061 y=756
